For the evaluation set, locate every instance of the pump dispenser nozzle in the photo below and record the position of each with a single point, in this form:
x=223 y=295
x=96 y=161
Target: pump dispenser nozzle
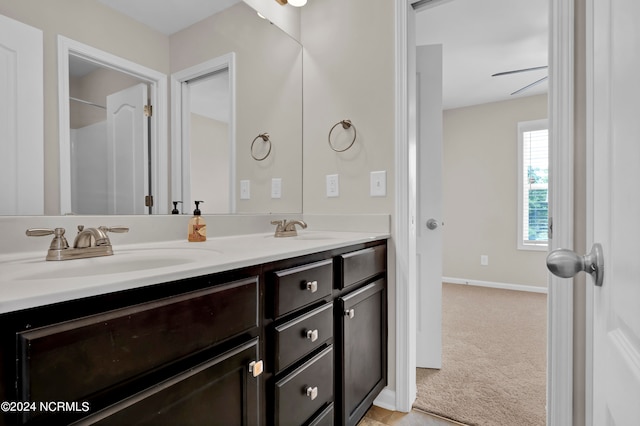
x=175 y=207
x=197 y=212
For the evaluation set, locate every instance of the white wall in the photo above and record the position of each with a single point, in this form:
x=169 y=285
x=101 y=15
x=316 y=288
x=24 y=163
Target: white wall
x=349 y=56
x=480 y=193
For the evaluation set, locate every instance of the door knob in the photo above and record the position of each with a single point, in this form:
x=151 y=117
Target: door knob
x=432 y=224
x=566 y=263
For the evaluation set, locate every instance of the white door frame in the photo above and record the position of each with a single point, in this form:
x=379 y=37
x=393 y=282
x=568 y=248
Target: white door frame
x=181 y=146
x=560 y=295
x=158 y=94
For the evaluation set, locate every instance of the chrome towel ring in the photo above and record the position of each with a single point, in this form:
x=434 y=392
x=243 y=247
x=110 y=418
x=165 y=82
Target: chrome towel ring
x=346 y=124
x=265 y=139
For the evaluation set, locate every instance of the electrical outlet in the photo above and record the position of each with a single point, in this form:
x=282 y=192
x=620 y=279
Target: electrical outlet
x=378 y=184
x=333 y=186
x=276 y=188
x=484 y=260
x=245 y=189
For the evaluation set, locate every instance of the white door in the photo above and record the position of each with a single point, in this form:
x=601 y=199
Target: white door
x=429 y=203
x=21 y=119
x=615 y=155
x=127 y=151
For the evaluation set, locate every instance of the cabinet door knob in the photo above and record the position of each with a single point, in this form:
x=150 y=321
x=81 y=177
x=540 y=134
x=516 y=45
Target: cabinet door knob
x=312 y=286
x=312 y=392
x=350 y=313
x=312 y=335
x=256 y=368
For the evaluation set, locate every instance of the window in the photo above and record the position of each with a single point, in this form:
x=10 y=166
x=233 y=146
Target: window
x=533 y=185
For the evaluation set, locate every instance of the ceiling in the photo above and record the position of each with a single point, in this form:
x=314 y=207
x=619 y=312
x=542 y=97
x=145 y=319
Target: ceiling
x=169 y=16
x=481 y=38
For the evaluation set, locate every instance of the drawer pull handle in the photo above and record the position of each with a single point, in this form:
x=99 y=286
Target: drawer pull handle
x=312 y=392
x=256 y=368
x=350 y=313
x=312 y=335
x=312 y=286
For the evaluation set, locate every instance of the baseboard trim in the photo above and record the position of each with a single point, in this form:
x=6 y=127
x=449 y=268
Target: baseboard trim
x=386 y=399
x=506 y=286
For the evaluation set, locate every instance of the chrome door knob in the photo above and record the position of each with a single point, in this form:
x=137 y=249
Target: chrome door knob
x=566 y=263
x=432 y=224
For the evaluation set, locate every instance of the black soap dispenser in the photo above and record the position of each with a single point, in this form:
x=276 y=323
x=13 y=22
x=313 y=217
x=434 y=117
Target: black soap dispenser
x=197 y=230
x=175 y=207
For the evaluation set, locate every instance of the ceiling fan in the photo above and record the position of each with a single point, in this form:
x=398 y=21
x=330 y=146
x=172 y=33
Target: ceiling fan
x=528 y=86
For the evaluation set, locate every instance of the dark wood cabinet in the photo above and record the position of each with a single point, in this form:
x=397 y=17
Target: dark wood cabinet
x=174 y=353
x=349 y=321
x=221 y=391
x=194 y=351
x=99 y=351
x=362 y=350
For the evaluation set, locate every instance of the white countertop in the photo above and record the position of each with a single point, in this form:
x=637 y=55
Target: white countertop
x=27 y=280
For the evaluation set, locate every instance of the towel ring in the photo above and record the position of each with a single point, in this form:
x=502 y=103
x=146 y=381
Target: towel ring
x=265 y=138
x=346 y=124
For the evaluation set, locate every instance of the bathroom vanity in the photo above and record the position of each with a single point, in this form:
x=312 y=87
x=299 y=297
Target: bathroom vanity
x=292 y=333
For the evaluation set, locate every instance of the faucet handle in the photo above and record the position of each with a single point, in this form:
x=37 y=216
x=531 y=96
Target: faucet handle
x=59 y=241
x=41 y=232
x=116 y=229
x=280 y=223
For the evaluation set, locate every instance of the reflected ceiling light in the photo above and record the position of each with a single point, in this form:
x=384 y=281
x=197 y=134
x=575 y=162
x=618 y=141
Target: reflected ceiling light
x=261 y=16
x=296 y=3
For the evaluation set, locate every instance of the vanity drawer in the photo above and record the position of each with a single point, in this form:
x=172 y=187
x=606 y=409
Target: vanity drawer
x=325 y=418
x=298 y=287
x=360 y=265
x=93 y=353
x=300 y=336
x=303 y=392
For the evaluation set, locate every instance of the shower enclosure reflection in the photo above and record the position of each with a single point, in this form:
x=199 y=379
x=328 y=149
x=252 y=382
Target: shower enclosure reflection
x=109 y=140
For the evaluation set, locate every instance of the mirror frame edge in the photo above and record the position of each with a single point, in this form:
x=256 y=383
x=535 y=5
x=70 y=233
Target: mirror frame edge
x=158 y=94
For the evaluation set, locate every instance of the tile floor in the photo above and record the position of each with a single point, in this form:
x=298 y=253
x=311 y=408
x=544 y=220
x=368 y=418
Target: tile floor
x=377 y=416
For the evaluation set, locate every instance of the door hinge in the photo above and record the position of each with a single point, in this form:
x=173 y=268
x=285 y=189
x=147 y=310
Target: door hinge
x=148 y=200
x=148 y=110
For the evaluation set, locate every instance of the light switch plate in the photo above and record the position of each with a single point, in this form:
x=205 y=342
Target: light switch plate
x=276 y=188
x=333 y=186
x=378 y=184
x=245 y=189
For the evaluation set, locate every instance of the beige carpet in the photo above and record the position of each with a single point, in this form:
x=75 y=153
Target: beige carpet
x=493 y=358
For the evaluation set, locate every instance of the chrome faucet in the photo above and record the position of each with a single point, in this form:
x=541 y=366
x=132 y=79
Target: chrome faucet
x=89 y=242
x=90 y=237
x=287 y=229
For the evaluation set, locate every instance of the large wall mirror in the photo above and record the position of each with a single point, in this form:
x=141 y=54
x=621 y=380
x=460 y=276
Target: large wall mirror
x=111 y=56
x=248 y=74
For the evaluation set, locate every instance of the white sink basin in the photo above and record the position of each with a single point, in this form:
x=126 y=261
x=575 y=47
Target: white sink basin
x=120 y=262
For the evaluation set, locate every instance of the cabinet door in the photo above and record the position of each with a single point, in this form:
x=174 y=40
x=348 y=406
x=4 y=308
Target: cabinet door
x=221 y=391
x=363 y=348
